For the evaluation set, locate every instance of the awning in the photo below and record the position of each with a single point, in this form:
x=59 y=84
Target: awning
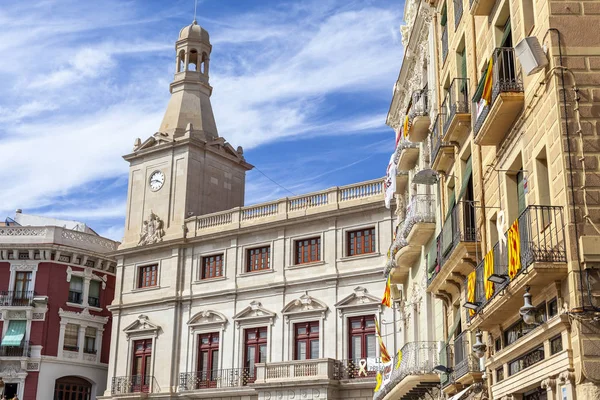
x=15 y=333
x=460 y=394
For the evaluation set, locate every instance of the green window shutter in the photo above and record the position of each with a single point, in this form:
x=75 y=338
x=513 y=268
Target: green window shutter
x=464 y=63
x=432 y=257
x=466 y=176
x=520 y=191
x=480 y=85
x=15 y=333
x=507 y=31
x=444 y=19
x=451 y=204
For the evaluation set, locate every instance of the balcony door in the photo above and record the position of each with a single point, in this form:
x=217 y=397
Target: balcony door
x=208 y=360
x=141 y=366
x=307 y=340
x=255 y=351
x=363 y=343
x=22 y=287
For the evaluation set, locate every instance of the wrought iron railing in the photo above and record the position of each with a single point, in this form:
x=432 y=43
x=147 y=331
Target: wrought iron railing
x=458 y=12
x=456 y=101
x=464 y=360
x=421 y=208
x=21 y=350
x=402 y=145
x=75 y=297
x=357 y=369
x=505 y=78
x=219 y=378
x=541 y=239
x=444 y=42
x=418 y=358
x=16 y=298
x=94 y=301
x=434 y=265
x=420 y=104
x=436 y=137
x=459 y=227
x=134 y=384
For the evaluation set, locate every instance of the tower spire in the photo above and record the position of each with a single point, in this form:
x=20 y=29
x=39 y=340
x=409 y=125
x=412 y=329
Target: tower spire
x=190 y=89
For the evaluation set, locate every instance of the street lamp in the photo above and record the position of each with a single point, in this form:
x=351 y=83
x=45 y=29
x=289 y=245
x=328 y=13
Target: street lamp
x=442 y=369
x=471 y=305
x=528 y=310
x=498 y=279
x=479 y=348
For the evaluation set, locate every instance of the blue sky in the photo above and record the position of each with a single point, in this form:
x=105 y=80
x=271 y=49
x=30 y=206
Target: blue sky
x=303 y=86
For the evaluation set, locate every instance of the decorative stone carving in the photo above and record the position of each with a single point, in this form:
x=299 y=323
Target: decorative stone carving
x=306 y=304
x=33 y=366
x=10 y=369
x=549 y=383
x=566 y=377
x=38 y=316
x=152 y=231
x=255 y=311
x=208 y=317
x=24 y=267
x=89 y=238
x=71 y=355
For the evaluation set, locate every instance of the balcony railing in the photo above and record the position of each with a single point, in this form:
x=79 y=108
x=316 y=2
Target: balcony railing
x=436 y=138
x=456 y=102
x=16 y=298
x=219 y=378
x=458 y=12
x=94 y=301
x=357 y=369
x=464 y=360
x=434 y=264
x=22 y=350
x=459 y=227
x=420 y=104
x=75 y=297
x=542 y=239
x=134 y=384
x=505 y=78
x=418 y=358
x=444 y=42
x=421 y=208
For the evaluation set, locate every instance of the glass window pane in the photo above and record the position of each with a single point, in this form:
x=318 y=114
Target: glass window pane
x=355 y=324
x=371 y=346
x=203 y=362
x=250 y=356
x=215 y=360
x=356 y=350
x=370 y=322
x=314 y=348
x=263 y=334
x=301 y=330
x=262 y=353
x=301 y=350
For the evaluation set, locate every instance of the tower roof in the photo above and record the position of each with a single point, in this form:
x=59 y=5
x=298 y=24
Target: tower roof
x=194 y=32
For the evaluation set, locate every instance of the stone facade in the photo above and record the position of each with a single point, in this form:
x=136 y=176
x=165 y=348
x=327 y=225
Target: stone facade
x=519 y=157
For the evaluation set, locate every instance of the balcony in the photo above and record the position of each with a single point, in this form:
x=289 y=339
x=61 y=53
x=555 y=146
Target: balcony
x=444 y=43
x=75 y=297
x=419 y=223
x=22 y=350
x=134 y=384
x=401 y=182
x=456 y=248
x=94 y=301
x=415 y=373
x=442 y=153
x=456 y=112
x=407 y=155
x=16 y=298
x=220 y=378
x=543 y=261
x=481 y=7
x=465 y=366
x=418 y=116
x=494 y=120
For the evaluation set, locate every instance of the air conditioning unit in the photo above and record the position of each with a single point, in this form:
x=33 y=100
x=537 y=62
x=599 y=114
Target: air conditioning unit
x=531 y=55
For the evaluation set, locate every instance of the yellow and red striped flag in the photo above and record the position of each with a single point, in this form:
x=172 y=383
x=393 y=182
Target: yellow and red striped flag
x=385 y=356
x=488 y=270
x=387 y=294
x=514 y=250
x=471 y=291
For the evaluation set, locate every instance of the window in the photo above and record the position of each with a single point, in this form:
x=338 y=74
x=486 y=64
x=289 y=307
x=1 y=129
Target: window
x=362 y=337
x=552 y=308
x=22 y=284
x=308 y=250
x=212 y=266
x=521 y=191
x=361 y=242
x=307 y=340
x=500 y=374
x=94 y=294
x=76 y=290
x=520 y=328
x=89 y=345
x=258 y=259
x=71 y=337
x=148 y=276
x=72 y=388
x=208 y=360
x=556 y=345
x=529 y=359
x=498 y=344
x=141 y=366
x=255 y=350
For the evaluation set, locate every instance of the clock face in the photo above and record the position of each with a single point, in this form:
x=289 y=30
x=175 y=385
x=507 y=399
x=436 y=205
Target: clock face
x=157 y=179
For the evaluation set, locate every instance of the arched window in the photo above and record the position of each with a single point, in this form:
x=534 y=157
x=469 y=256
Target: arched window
x=72 y=388
x=181 y=61
x=204 y=65
x=193 y=60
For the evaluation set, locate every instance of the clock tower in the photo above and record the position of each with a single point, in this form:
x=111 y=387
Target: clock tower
x=185 y=169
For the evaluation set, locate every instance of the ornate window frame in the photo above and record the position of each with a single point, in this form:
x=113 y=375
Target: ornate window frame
x=304 y=309
x=207 y=321
x=139 y=329
x=254 y=316
x=84 y=319
x=88 y=275
x=23 y=266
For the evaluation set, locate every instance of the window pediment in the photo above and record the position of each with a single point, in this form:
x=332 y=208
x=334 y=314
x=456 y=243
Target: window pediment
x=254 y=312
x=360 y=299
x=82 y=318
x=306 y=304
x=141 y=326
x=207 y=318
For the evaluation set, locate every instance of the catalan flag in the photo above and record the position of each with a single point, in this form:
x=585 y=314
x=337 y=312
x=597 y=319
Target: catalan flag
x=488 y=270
x=399 y=359
x=514 y=250
x=471 y=291
x=385 y=356
x=487 y=87
x=387 y=294
x=405 y=126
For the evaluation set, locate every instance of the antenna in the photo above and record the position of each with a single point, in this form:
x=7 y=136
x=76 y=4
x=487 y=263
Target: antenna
x=195 y=7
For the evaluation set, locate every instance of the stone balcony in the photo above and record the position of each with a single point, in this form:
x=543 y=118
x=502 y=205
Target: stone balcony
x=456 y=113
x=442 y=153
x=369 y=194
x=418 y=116
x=407 y=155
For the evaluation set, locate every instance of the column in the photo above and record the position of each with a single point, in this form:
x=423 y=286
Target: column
x=86 y=291
x=81 y=341
x=61 y=338
x=549 y=384
x=99 y=333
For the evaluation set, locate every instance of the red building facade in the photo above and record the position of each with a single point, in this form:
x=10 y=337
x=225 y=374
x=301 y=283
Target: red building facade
x=55 y=286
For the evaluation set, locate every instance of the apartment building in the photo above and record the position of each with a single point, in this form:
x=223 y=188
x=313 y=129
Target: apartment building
x=515 y=159
x=215 y=299
x=412 y=114
x=56 y=281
